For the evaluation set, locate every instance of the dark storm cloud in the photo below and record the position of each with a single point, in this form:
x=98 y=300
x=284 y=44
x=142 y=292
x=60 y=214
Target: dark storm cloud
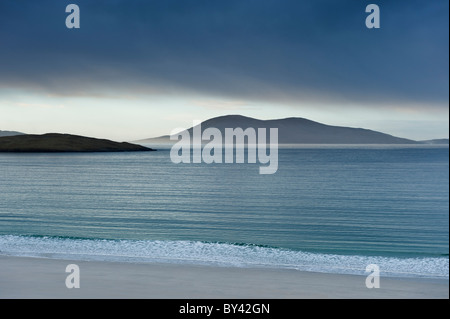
x=288 y=50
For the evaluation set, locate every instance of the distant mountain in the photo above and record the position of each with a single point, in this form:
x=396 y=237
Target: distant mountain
x=10 y=133
x=64 y=143
x=297 y=131
x=440 y=141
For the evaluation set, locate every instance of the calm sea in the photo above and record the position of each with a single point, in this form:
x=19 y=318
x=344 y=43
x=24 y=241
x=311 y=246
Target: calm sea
x=328 y=209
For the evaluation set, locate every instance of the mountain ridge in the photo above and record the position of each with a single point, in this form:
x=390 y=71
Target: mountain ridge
x=10 y=133
x=297 y=130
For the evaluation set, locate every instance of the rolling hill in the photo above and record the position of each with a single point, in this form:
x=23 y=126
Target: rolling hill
x=10 y=133
x=297 y=131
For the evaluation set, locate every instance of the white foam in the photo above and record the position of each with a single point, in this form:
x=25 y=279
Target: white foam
x=218 y=254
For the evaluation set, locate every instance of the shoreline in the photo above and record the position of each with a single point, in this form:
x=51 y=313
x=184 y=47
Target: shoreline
x=42 y=278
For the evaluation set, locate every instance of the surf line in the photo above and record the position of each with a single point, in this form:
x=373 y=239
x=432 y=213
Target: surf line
x=208 y=146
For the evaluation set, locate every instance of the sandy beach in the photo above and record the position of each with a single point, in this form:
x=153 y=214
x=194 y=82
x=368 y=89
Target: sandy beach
x=40 y=278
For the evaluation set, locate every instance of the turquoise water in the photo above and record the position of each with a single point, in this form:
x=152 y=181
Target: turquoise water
x=331 y=209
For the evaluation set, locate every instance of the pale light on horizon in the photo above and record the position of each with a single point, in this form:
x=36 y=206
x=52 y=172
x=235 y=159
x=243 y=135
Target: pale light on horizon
x=137 y=117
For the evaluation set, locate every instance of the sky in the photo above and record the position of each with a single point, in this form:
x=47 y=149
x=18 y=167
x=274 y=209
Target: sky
x=140 y=68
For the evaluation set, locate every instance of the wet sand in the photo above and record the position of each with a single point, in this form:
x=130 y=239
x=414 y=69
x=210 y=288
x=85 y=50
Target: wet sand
x=40 y=278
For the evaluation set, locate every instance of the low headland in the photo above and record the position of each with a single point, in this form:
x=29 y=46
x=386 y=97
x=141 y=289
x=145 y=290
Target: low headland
x=54 y=142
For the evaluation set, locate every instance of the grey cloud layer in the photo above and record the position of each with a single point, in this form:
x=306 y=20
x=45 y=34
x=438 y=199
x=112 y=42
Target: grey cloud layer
x=260 y=49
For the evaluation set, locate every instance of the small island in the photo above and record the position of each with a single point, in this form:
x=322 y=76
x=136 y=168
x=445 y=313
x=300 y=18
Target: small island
x=54 y=142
